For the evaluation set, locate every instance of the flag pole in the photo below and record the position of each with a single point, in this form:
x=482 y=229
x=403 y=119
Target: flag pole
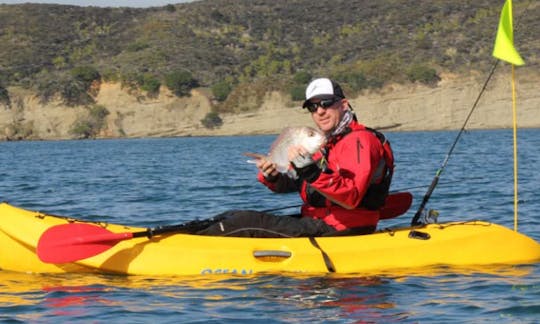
x=504 y=50
x=514 y=119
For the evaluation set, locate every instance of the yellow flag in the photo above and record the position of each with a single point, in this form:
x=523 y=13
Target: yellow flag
x=504 y=43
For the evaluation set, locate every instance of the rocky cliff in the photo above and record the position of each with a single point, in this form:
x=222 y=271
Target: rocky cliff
x=395 y=107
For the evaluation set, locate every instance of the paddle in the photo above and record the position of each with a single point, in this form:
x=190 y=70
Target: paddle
x=76 y=241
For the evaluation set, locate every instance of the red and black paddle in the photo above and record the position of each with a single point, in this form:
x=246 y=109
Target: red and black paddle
x=76 y=241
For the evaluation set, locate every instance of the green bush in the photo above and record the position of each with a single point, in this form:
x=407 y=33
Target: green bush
x=170 y=8
x=47 y=85
x=212 y=120
x=130 y=80
x=353 y=80
x=85 y=74
x=91 y=125
x=137 y=46
x=249 y=96
x=75 y=93
x=4 y=97
x=98 y=113
x=376 y=71
x=82 y=129
x=180 y=83
x=150 y=84
x=221 y=90
x=70 y=90
x=110 y=74
x=423 y=74
x=302 y=77
x=298 y=92
x=298 y=87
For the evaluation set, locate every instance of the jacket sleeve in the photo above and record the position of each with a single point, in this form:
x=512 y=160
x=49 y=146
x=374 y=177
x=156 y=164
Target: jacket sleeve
x=281 y=184
x=352 y=162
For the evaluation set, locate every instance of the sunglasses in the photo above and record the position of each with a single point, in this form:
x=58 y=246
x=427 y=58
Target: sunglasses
x=324 y=104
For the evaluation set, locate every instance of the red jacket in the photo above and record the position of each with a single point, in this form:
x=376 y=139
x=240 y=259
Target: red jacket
x=354 y=161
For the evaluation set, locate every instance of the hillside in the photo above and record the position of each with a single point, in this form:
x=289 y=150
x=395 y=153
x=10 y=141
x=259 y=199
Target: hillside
x=394 y=108
x=230 y=57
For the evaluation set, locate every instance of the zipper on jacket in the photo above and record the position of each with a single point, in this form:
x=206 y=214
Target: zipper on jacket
x=358 y=146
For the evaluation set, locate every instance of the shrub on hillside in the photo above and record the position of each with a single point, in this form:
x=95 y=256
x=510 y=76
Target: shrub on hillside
x=423 y=74
x=250 y=96
x=4 y=97
x=355 y=80
x=221 y=90
x=91 y=125
x=299 y=82
x=75 y=93
x=302 y=77
x=150 y=84
x=170 y=8
x=212 y=120
x=85 y=74
x=297 y=92
x=180 y=83
x=137 y=46
x=70 y=90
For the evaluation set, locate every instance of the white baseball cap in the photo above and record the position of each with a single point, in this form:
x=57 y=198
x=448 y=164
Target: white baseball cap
x=322 y=88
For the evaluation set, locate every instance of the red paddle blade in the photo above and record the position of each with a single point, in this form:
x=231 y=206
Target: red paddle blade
x=75 y=241
x=396 y=204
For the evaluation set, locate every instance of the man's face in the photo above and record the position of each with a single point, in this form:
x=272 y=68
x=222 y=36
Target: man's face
x=327 y=118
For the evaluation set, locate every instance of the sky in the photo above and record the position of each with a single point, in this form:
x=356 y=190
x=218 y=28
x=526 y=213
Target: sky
x=103 y=3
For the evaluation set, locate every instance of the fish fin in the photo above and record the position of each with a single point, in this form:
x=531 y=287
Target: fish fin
x=255 y=155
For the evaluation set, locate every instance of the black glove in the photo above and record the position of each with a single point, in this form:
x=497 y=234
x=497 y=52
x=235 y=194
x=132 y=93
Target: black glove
x=311 y=172
x=308 y=173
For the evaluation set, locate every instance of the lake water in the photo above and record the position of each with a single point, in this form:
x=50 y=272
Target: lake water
x=150 y=182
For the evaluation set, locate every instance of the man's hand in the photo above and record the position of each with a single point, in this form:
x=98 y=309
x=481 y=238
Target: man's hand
x=306 y=168
x=299 y=156
x=267 y=168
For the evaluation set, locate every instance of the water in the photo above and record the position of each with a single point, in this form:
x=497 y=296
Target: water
x=150 y=182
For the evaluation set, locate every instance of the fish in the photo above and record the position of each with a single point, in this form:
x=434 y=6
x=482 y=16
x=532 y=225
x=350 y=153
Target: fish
x=310 y=138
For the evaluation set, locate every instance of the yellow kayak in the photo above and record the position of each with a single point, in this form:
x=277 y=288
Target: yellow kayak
x=462 y=244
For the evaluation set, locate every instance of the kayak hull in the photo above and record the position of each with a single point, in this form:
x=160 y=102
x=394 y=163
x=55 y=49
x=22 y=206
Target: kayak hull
x=460 y=244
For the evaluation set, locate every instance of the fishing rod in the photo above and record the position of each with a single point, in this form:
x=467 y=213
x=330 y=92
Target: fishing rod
x=415 y=221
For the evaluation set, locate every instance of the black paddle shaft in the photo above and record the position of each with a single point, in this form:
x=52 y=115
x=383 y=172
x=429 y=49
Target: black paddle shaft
x=191 y=227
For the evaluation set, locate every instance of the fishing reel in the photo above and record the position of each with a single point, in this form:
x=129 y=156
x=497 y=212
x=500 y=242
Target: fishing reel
x=429 y=216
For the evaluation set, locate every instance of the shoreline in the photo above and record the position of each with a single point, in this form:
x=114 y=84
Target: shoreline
x=396 y=107
x=256 y=134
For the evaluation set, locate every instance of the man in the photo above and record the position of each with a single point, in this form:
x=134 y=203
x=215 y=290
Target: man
x=342 y=191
